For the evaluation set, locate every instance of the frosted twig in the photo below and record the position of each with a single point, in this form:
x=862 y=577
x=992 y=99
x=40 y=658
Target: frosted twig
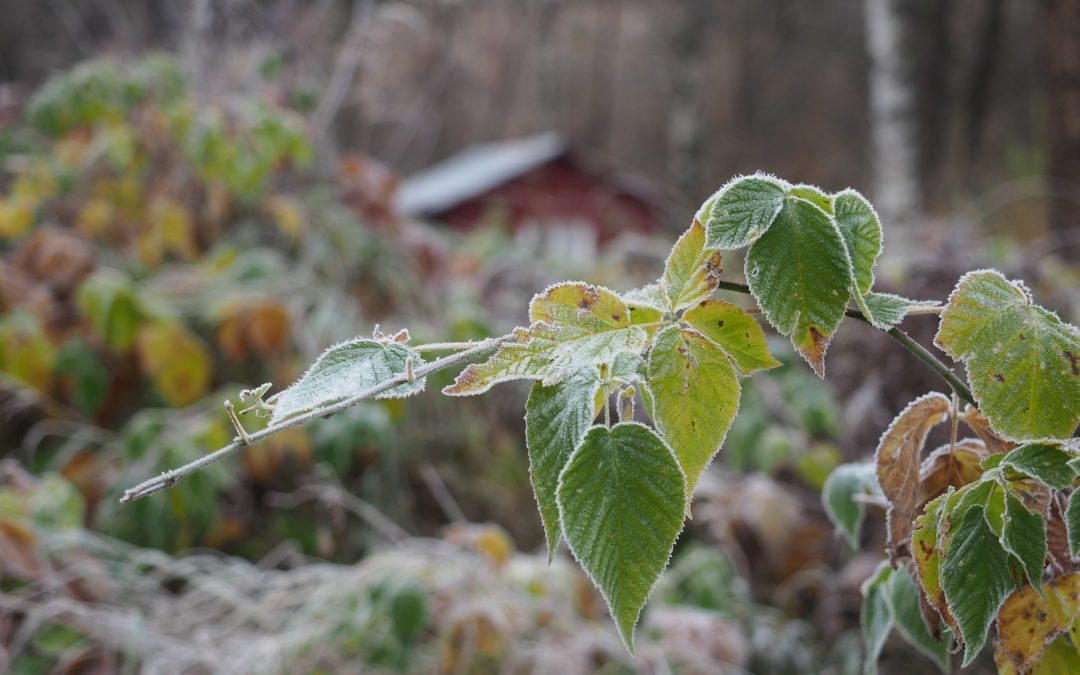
x=169 y=478
x=236 y=423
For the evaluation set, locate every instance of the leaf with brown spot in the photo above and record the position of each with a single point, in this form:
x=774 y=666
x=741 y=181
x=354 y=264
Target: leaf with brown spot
x=927 y=562
x=1027 y=622
x=692 y=271
x=897 y=459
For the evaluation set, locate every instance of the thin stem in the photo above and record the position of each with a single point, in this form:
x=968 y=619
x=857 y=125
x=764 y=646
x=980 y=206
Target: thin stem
x=900 y=336
x=447 y=346
x=169 y=478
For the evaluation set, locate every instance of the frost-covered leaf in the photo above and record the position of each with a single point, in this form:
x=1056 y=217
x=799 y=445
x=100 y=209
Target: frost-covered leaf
x=1049 y=464
x=898 y=463
x=692 y=271
x=1024 y=537
x=902 y=597
x=976 y=577
x=978 y=423
x=839 y=492
x=736 y=331
x=592 y=326
x=951 y=465
x=650 y=296
x=927 y=556
x=1023 y=362
x=347 y=369
x=1072 y=523
x=861 y=230
x=527 y=355
x=741 y=211
x=695 y=396
x=885 y=310
x=814 y=194
x=800 y=273
x=875 y=617
x=1028 y=620
x=622 y=499
x=556 y=418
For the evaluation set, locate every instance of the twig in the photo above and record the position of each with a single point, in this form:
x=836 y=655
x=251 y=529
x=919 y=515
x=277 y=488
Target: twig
x=900 y=336
x=442 y=494
x=169 y=478
x=446 y=346
x=243 y=435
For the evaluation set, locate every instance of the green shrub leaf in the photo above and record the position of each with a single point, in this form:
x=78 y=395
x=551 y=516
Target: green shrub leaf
x=692 y=271
x=347 y=369
x=861 y=230
x=622 y=499
x=975 y=576
x=741 y=211
x=1072 y=523
x=556 y=418
x=800 y=273
x=885 y=310
x=1024 y=537
x=695 y=396
x=902 y=596
x=875 y=617
x=1022 y=360
x=1046 y=463
x=812 y=193
x=838 y=494
x=736 y=331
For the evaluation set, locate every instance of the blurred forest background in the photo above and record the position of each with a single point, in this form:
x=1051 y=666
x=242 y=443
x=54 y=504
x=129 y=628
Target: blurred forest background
x=198 y=197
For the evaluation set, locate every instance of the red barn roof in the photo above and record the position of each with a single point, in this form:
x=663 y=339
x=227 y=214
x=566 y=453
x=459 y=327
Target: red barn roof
x=533 y=181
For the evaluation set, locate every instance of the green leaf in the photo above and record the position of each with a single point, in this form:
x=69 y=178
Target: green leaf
x=902 y=596
x=1072 y=523
x=736 y=331
x=347 y=369
x=838 y=494
x=1023 y=362
x=556 y=418
x=875 y=617
x=975 y=576
x=1024 y=537
x=527 y=355
x=1048 y=464
x=622 y=499
x=885 y=310
x=800 y=273
x=861 y=231
x=592 y=326
x=812 y=193
x=695 y=396
x=692 y=271
x=741 y=211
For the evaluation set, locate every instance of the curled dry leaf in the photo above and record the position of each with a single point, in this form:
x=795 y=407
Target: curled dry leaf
x=898 y=465
x=980 y=426
x=955 y=465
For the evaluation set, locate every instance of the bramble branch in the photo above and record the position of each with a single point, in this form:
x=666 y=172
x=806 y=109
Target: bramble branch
x=169 y=478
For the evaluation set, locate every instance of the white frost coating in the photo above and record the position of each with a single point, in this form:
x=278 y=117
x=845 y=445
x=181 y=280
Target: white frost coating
x=345 y=369
x=708 y=206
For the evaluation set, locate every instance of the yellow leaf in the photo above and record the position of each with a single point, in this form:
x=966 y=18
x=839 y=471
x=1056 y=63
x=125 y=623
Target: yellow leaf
x=1027 y=622
x=176 y=360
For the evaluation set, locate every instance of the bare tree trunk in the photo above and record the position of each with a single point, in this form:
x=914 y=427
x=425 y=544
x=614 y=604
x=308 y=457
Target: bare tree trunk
x=1061 y=42
x=686 y=128
x=896 y=186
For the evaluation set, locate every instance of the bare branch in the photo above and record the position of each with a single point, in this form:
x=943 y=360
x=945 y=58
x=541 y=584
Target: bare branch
x=169 y=478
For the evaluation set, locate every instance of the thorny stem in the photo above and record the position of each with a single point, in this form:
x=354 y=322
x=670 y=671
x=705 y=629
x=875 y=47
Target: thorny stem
x=169 y=478
x=903 y=338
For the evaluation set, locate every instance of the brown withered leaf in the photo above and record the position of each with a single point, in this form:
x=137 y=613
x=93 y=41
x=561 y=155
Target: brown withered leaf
x=978 y=423
x=1027 y=622
x=898 y=462
x=1057 y=536
x=950 y=465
